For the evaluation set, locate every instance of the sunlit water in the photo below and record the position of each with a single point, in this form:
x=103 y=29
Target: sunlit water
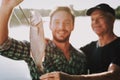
x=18 y=70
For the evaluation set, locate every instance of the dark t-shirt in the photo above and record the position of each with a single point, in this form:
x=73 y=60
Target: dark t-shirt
x=99 y=58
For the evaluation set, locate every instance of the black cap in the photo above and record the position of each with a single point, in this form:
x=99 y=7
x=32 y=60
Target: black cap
x=104 y=7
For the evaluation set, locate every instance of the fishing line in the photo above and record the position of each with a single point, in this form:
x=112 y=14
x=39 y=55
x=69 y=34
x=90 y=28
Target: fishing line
x=19 y=20
x=24 y=14
x=17 y=17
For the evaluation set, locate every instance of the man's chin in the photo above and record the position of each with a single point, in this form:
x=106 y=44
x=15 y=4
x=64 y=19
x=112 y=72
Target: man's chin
x=61 y=40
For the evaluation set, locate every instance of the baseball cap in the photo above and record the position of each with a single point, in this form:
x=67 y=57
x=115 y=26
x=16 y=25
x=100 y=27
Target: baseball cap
x=104 y=7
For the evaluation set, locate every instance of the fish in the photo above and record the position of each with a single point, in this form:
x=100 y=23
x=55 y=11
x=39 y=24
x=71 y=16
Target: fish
x=37 y=39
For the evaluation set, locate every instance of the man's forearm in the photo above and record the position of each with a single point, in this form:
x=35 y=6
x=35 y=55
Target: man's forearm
x=5 y=13
x=98 y=76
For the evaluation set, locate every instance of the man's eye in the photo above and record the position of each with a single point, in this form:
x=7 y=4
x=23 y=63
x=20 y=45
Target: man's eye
x=67 y=23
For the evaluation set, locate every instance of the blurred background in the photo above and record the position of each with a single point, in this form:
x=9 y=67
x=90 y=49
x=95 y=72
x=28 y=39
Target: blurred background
x=19 y=29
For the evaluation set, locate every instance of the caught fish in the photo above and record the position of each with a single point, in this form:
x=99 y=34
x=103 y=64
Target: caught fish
x=37 y=39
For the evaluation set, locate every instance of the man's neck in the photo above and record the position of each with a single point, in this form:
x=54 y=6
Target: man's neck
x=104 y=40
x=64 y=46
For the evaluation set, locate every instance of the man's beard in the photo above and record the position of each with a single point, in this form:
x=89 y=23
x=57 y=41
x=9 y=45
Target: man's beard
x=61 y=41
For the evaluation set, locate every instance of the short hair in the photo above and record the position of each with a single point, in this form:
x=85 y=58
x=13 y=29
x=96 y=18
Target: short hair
x=62 y=8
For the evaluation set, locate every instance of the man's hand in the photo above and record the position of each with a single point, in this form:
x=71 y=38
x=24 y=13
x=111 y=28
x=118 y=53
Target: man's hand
x=10 y=3
x=6 y=8
x=55 y=76
x=36 y=19
x=51 y=76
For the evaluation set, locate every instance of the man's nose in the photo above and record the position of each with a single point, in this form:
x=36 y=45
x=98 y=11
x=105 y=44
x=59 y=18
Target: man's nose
x=61 y=25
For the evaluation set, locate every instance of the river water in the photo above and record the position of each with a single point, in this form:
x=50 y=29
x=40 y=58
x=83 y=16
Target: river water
x=81 y=35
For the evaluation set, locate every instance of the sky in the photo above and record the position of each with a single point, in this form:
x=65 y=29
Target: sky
x=78 y=4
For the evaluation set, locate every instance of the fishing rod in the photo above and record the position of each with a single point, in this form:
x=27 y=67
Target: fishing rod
x=17 y=17
x=19 y=20
x=24 y=14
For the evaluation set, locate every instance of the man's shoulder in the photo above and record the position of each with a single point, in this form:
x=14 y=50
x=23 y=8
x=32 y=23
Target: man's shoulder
x=117 y=42
x=77 y=51
x=89 y=45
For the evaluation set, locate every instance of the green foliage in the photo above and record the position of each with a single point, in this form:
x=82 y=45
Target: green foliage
x=18 y=18
x=117 y=11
